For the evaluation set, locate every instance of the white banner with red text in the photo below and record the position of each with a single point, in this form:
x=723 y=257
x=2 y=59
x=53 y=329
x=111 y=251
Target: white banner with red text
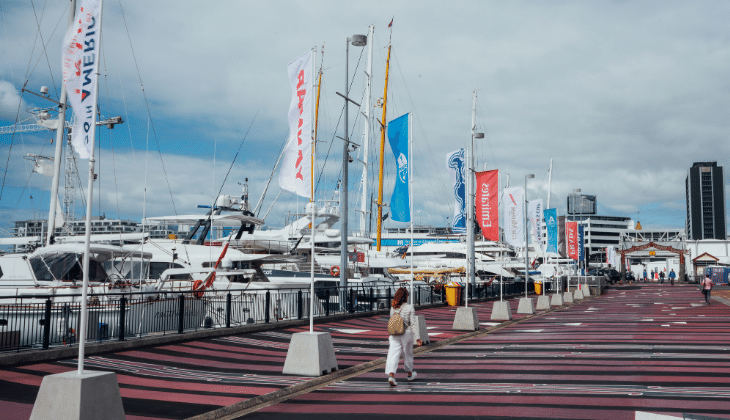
x=514 y=218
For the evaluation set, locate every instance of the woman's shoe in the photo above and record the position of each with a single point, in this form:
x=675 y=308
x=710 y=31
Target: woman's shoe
x=412 y=376
x=391 y=381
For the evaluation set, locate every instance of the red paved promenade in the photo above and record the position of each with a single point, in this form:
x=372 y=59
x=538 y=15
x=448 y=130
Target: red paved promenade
x=649 y=348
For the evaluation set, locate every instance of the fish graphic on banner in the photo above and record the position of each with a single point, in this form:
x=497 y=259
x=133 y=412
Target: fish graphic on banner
x=296 y=162
x=551 y=223
x=400 y=206
x=534 y=212
x=456 y=167
x=488 y=204
x=80 y=72
x=514 y=218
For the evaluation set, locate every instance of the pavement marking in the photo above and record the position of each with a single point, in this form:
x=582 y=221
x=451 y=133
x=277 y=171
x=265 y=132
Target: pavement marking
x=350 y=330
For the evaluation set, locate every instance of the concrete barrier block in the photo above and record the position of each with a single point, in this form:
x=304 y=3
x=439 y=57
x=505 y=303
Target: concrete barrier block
x=568 y=297
x=422 y=329
x=526 y=306
x=310 y=354
x=69 y=396
x=501 y=311
x=466 y=319
x=557 y=300
x=543 y=303
x=578 y=295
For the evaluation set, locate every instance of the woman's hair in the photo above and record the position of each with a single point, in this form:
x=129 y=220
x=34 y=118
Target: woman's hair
x=401 y=296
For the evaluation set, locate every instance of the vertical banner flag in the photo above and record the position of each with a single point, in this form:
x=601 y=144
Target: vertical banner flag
x=455 y=163
x=296 y=162
x=400 y=206
x=571 y=239
x=551 y=222
x=581 y=244
x=514 y=218
x=534 y=213
x=80 y=67
x=488 y=204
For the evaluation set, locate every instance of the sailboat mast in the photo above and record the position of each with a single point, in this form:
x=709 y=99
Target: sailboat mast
x=550 y=182
x=470 y=202
x=316 y=117
x=60 y=130
x=364 y=201
x=382 y=153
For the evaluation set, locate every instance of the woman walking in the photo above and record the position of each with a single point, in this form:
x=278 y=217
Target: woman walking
x=707 y=288
x=402 y=344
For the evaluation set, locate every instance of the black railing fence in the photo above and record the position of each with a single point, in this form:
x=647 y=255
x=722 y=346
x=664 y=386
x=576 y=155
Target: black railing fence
x=44 y=321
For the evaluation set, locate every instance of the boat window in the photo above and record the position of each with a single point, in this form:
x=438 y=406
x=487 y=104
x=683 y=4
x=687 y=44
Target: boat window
x=50 y=267
x=157 y=268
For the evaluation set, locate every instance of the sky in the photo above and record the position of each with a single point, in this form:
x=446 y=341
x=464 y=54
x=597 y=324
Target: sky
x=623 y=96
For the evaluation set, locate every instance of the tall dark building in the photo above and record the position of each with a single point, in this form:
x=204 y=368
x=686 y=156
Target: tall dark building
x=705 y=201
x=581 y=204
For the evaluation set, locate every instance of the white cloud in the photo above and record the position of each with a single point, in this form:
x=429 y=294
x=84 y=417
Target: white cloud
x=11 y=104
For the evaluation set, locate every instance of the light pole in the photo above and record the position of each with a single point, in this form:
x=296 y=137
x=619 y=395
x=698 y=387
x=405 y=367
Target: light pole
x=358 y=41
x=527 y=258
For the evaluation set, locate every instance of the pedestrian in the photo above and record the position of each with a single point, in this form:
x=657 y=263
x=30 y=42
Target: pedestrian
x=402 y=344
x=644 y=275
x=661 y=277
x=707 y=287
x=672 y=276
x=652 y=274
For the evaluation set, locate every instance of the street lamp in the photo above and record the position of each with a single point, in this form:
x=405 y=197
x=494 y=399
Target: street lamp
x=358 y=41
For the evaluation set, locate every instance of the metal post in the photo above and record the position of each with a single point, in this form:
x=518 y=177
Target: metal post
x=267 y=306
x=527 y=249
x=299 y=305
x=122 y=317
x=327 y=303
x=228 y=310
x=47 y=325
x=181 y=314
x=353 y=295
x=344 y=186
x=372 y=300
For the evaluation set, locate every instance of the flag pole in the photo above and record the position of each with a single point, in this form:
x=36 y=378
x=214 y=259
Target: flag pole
x=313 y=203
x=410 y=191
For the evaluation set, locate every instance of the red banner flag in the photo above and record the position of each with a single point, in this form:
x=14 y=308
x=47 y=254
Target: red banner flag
x=571 y=240
x=488 y=203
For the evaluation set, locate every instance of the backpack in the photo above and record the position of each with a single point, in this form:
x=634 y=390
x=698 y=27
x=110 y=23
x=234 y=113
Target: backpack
x=396 y=326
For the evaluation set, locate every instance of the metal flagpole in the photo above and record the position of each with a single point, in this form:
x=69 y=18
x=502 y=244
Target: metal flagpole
x=313 y=203
x=410 y=192
x=89 y=204
x=469 y=226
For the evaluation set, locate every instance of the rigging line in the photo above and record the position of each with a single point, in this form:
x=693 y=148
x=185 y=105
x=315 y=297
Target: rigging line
x=147 y=105
x=111 y=143
x=239 y=151
x=43 y=43
x=418 y=120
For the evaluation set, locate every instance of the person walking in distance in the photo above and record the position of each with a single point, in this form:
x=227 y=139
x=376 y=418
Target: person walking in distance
x=672 y=276
x=652 y=275
x=401 y=343
x=644 y=275
x=706 y=288
x=661 y=277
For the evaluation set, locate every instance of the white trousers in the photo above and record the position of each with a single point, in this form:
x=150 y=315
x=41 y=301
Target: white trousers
x=400 y=344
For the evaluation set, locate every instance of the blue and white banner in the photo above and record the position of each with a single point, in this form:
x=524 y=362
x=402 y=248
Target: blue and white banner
x=581 y=247
x=534 y=213
x=400 y=206
x=456 y=165
x=551 y=222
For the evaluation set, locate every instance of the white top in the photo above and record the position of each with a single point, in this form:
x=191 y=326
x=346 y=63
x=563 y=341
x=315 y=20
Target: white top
x=408 y=314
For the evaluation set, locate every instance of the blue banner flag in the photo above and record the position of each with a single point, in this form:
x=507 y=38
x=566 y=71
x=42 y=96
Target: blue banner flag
x=456 y=167
x=400 y=206
x=551 y=221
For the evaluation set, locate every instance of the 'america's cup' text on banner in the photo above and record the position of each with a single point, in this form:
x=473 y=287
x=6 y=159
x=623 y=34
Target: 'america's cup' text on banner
x=456 y=167
x=488 y=203
x=534 y=213
x=514 y=218
x=551 y=223
x=296 y=161
x=400 y=206
x=80 y=72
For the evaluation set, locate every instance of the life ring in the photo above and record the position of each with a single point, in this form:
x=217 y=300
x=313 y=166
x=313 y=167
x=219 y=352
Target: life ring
x=198 y=285
x=335 y=271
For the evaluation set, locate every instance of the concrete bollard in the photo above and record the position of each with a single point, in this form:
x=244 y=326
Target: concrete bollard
x=557 y=300
x=501 y=311
x=310 y=354
x=422 y=329
x=526 y=306
x=567 y=297
x=466 y=319
x=543 y=303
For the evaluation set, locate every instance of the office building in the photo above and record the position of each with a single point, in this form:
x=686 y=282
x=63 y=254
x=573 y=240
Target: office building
x=581 y=204
x=705 y=193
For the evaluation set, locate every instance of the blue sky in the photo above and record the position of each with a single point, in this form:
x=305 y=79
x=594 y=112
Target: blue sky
x=624 y=96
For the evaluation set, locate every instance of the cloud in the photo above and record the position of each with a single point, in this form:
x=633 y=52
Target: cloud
x=11 y=104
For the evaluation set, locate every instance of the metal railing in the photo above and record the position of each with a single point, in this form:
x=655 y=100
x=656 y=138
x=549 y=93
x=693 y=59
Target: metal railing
x=45 y=321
